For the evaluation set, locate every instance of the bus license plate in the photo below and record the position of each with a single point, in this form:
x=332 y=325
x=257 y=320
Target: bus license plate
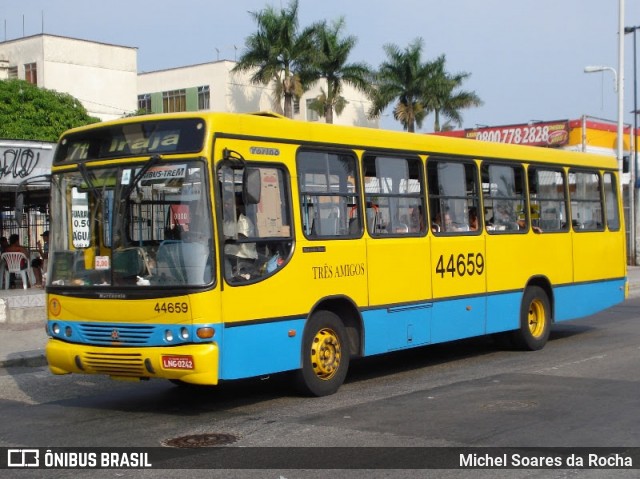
x=177 y=362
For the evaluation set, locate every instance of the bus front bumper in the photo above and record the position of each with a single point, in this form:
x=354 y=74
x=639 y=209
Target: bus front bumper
x=193 y=363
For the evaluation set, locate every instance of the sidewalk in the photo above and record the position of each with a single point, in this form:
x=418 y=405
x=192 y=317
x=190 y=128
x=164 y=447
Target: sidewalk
x=23 y=336
x=22 y=327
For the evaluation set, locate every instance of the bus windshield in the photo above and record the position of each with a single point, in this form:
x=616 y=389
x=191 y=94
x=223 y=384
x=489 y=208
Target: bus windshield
x=132 y=226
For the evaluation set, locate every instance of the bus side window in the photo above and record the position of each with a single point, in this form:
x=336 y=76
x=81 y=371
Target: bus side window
x=394 y=194
x=611 y=202
x=453 y=196
x=547 y=199
x=504 y=195
x=586 y=200
x=257 y=236
x=328 y=192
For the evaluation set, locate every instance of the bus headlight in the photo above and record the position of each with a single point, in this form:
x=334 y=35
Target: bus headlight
x=184 y=333
x=55 y=328
x=168 y=336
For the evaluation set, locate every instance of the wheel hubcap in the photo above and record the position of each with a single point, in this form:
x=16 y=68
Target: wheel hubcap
x=325 y=353
x=537 y=319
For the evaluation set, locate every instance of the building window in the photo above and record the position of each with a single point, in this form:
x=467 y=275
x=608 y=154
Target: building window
x=203 y=97
x=311 y=114
x=13 y=73
x=174 y=100
x=31 y=73
x=296 y=105
x=144 y=103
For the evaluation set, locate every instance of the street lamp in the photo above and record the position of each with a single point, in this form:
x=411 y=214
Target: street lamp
x=634 y=169
x=617 y=86
x=635 y=100
x=598 y=68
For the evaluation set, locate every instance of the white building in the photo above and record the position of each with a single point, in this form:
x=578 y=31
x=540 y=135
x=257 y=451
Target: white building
x=102 y=76
x=105 y=80
x=213 y=86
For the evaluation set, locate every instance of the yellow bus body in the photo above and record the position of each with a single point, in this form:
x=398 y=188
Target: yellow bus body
x=386 y=287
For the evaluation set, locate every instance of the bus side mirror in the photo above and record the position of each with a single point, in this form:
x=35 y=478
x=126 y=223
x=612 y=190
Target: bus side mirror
x=19 y=208
x=251 y=186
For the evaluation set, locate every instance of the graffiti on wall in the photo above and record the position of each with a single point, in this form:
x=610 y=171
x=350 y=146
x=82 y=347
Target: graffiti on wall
x=22 y=161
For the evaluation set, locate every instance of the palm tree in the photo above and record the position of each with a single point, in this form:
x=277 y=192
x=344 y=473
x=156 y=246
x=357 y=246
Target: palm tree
x=277 y=51
x=442 y=99
x=403 y=79
x=330 y=63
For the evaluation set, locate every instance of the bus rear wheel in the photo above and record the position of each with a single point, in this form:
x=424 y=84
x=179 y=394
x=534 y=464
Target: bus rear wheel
x=535 y=320
x=325 y=355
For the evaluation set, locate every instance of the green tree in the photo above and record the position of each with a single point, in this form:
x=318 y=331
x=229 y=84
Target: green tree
x=277 y=52
x=419 y=88
x=330 y=63
x=404 y=79
x=444 y=98
x=31 y=113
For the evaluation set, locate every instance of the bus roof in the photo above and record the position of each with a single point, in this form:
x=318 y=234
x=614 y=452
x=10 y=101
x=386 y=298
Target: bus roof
x=266 y=126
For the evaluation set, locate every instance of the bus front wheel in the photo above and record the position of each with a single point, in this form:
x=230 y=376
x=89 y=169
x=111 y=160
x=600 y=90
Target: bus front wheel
x=325 y=355
x=535 y=320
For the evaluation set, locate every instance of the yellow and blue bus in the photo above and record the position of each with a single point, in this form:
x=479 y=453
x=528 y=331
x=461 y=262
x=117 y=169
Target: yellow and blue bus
x=206 y=247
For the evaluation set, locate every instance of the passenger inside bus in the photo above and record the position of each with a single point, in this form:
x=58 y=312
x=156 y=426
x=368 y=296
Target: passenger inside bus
x=473 y=219
x=441 y=224
x=417 y=220
x=240 y=257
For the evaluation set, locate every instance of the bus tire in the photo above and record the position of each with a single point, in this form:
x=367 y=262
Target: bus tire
x=325 y=355
x=535 y=320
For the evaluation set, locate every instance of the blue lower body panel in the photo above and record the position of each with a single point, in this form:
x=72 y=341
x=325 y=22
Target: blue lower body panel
x=579 y=300
x=400 y=327
x=503 y=311
x=258 y=349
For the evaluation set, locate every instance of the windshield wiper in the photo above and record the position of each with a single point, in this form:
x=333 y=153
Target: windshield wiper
x=147 y=166
x=89 y=180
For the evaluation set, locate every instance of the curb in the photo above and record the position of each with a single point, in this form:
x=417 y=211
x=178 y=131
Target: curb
x=27 y=359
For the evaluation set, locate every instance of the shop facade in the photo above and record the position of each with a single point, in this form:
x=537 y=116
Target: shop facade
x=25 y=168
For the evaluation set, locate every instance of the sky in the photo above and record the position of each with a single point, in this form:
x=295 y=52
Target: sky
x=525 y=58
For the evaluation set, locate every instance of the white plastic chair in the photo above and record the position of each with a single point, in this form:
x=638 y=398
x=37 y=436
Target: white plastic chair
x=13 y=260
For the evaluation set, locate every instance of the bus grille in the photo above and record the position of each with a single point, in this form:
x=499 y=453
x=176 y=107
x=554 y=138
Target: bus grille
x=120 y=364
x=116 y=334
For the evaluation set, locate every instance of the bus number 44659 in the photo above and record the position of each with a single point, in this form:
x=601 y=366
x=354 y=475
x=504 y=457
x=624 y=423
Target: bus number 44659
x=461 y=264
